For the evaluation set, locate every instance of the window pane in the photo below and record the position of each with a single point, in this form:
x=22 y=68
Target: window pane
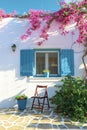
x=53 y=63
x=40 y=62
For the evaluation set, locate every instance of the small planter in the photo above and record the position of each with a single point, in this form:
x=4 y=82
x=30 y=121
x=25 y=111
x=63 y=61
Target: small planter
x=46 y=73
x=22 y=104
x=21 y=101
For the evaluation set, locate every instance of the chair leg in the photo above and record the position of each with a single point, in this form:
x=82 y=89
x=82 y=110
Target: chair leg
x=43 y=103
x=33 y=103
x=38 y=102
x=48 y=102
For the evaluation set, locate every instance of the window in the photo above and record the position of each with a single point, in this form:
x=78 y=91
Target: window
x=60 y=62
x=47 y=60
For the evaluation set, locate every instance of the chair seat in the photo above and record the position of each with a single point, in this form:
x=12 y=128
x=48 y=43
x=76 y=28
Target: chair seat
x=38 y=97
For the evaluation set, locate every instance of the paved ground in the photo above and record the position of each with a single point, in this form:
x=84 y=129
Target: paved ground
x=13 y=119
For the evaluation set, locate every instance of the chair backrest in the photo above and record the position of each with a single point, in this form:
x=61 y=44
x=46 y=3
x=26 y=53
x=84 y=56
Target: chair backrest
x=41 y=91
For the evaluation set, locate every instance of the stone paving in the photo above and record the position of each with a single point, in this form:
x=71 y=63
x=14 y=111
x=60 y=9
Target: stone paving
x=13 y=119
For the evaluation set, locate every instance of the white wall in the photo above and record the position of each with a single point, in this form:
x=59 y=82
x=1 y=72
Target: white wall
x=11 y=83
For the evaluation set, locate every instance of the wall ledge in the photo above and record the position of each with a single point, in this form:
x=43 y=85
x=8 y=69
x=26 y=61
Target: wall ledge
x=44 y=79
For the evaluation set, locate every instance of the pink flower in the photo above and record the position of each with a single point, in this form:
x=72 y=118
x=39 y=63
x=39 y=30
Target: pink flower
x=72 y=33
x=24 y=37
x=40 y=43
x=28 y=32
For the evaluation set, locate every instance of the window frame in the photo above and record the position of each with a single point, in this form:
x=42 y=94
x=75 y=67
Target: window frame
x=49 y=51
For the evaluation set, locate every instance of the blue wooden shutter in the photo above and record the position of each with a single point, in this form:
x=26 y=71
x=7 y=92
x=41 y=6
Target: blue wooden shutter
x=67 y=62
x=27 y=63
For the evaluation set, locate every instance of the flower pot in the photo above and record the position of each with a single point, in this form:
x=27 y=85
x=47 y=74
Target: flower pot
x=46 y=74
x=22 y=104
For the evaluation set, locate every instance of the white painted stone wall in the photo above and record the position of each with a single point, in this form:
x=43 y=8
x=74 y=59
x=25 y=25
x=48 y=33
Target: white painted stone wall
x=11 y=83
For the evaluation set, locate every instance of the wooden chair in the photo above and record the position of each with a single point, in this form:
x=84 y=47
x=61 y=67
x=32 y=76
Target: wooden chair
x=41 y=96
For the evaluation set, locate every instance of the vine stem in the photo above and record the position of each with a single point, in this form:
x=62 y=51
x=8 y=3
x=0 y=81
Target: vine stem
x=85 y=66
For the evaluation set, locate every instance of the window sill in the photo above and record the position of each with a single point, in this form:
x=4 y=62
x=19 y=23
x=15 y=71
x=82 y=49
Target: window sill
x=44 y=79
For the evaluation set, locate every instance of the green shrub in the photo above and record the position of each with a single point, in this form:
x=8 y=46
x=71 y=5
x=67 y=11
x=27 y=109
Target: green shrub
x=71 y=100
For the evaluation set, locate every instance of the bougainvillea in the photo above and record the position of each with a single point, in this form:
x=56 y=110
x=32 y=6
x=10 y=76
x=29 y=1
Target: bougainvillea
x=75 y=12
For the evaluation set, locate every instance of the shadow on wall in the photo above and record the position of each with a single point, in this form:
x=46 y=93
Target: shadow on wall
x=10 y=102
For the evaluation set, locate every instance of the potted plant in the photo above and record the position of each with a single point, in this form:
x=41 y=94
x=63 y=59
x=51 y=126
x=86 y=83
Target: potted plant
x=46 y=73
x=21 y=101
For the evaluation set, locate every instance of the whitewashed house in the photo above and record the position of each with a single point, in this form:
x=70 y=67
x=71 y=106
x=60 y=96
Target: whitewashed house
x=22 y=70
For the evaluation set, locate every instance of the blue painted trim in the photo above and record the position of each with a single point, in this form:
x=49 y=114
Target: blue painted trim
x=27 y=62
x=47 y=49
x=67 y=62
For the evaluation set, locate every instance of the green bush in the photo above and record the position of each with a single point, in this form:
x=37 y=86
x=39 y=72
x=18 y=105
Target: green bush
x=71 y=100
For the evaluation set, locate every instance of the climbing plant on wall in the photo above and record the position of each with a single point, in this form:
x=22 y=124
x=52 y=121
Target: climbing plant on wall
x=69 y=13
